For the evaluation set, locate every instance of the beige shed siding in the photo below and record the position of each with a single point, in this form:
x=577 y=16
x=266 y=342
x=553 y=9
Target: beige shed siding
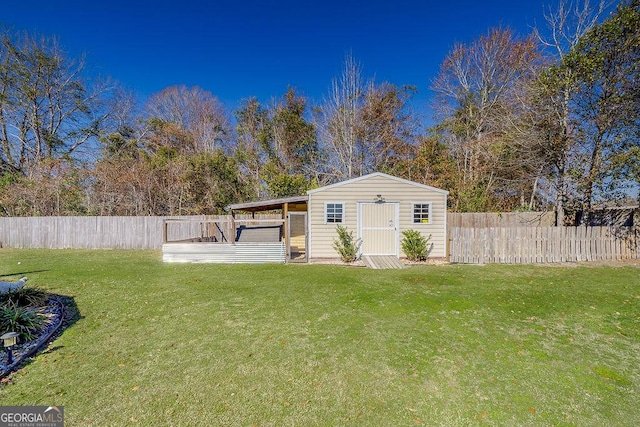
x=365 y=190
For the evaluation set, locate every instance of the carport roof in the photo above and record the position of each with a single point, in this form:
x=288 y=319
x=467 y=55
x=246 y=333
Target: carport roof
x=266 y=205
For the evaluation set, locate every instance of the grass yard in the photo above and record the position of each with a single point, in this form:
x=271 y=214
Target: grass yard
x=317 y=345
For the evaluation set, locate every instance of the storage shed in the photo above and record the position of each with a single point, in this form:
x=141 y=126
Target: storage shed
x=377 y=208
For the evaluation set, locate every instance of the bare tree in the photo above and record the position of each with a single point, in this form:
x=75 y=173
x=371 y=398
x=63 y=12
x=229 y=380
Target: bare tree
x=565 y=26
x=123 y=133
x=47 y=109
x=195 y=111
x=479 y=93
x=363 y=126
x=338 y=121
x=386 y=127
x=567 y=23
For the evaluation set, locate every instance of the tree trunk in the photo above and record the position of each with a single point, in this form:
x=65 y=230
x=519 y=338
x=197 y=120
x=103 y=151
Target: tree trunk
x=594 y=167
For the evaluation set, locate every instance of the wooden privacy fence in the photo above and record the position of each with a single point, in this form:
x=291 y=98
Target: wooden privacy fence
x=500 y=219
x=146 y=232
x=513 y=240
x=524 y=245
x=90 y=232
x=97 y=232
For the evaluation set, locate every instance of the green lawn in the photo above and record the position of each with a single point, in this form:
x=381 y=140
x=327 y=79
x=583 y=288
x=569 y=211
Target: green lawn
x=316 y=345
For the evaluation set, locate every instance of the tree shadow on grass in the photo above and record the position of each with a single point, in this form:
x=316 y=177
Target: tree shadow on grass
x=21 y=273
x=71 y=311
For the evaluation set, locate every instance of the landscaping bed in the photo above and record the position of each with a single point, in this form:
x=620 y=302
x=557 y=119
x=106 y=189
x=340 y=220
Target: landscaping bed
x=52 y=314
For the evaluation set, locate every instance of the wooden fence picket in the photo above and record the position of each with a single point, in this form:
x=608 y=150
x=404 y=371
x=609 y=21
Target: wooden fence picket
x=526 y=245
x=101 y=232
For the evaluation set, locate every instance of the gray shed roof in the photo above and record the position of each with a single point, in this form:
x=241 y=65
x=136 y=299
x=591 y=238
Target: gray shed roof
x=266 y=205
x=379 y=174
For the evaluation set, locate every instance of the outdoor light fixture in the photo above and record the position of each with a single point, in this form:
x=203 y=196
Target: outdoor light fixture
x=379 y=198
x=9 y=340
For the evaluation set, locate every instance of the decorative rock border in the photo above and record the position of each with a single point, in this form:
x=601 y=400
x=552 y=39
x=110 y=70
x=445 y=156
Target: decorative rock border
x=27 y=350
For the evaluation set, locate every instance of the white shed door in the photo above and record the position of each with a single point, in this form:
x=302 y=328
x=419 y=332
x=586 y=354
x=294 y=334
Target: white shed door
x=378 y=228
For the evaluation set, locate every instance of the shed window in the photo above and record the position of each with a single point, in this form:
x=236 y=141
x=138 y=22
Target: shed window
x=421 y=213
x=334 y=212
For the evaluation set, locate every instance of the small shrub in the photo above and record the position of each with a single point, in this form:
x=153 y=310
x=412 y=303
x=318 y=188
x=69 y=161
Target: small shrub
x=346 y=245
x=25 y=321
x=25 y=297
x=415 y=245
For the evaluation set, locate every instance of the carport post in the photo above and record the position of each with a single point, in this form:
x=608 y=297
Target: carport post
x=233 y=227
x=285 y=229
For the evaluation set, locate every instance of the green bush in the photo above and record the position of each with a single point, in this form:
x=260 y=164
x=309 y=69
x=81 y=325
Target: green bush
x=346 y=245
x=25 y=321
x=25 y=297
x=415 y=245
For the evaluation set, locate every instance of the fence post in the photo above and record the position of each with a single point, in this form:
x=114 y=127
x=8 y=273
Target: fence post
x=165 y=233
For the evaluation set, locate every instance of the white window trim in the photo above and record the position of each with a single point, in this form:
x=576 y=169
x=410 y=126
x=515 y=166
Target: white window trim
x=344 y=212
x=413 y=209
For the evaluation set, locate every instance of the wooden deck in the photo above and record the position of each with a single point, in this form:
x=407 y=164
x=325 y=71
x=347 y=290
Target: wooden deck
x=241 y=252
x=382 y=262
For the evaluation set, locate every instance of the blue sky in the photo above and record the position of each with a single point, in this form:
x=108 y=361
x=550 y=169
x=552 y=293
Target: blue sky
x=238 y=49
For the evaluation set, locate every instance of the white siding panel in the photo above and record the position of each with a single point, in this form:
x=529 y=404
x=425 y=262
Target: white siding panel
x=322 y=235
x=250 y=253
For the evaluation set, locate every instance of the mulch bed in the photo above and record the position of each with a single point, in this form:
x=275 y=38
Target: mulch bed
x=56 y=317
